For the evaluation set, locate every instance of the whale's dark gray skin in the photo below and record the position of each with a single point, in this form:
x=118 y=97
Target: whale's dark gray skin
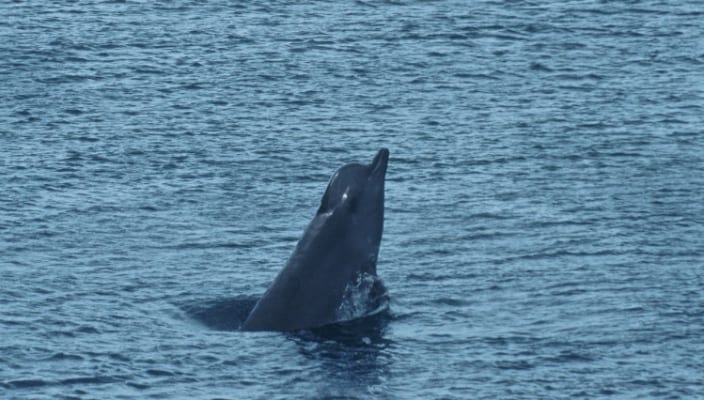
x=338 y=246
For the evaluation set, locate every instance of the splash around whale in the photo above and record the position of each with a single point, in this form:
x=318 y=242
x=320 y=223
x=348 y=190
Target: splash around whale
x=331 y=276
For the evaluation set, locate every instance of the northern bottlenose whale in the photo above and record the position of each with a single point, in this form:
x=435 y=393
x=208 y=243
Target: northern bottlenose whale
x=338 y=250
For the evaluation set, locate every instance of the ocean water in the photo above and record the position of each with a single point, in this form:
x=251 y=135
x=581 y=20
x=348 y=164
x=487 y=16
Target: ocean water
x=543 y=239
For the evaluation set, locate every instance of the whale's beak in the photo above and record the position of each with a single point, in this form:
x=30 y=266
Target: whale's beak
x=381 y=160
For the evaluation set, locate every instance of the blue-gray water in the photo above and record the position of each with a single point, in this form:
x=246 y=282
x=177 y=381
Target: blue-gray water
x=544 y=236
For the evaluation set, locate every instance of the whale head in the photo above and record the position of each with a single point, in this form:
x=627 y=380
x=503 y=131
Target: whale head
x=357 y=190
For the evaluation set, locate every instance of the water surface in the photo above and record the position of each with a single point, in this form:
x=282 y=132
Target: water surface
x=543 y=234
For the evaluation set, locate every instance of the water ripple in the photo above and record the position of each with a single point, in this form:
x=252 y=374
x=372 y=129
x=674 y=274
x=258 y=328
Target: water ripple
x=543 y=223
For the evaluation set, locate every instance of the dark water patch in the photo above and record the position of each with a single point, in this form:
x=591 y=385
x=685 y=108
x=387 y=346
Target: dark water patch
x=452 y=302
x=65 y=357
x=89 y=380
x=536 y=66
x=200 y=246
x=435 y=277
x=138 y=385
x=159 y=372
x=25 y=383
x=225 y=314
x=570 y=357
x=87 y=329
x=514 y=365
x=118 y=357
x=473 y=76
